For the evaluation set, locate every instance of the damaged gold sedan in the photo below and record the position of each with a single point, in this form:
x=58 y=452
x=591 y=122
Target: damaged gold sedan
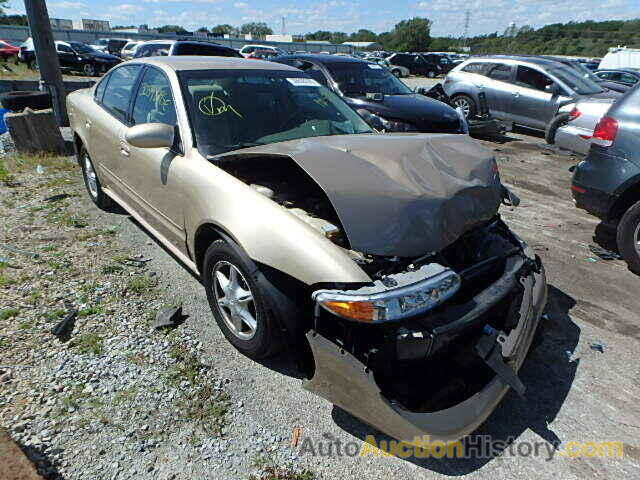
x=378 y=261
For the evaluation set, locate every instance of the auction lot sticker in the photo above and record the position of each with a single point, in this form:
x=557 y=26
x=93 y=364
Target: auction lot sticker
x=303 y=82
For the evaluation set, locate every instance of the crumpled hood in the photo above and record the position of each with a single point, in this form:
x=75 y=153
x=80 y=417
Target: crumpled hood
x=400 y=194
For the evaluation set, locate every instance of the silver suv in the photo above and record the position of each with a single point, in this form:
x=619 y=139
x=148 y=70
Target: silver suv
x=519 y=90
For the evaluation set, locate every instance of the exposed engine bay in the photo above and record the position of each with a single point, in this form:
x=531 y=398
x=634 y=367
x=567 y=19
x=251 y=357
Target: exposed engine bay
x=427 y=360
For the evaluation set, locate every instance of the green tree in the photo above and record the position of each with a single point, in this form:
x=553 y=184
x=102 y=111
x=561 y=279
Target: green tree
x=257 y=29
x=363 y=35
x=224 y=29
x=171 y=29
x=412 y=35
x=203 y=29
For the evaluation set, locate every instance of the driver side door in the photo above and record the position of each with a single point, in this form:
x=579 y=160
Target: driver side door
x=533 y=105
x=149 y=175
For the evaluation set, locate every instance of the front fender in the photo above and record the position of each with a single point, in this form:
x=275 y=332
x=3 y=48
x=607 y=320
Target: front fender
x=262 y=228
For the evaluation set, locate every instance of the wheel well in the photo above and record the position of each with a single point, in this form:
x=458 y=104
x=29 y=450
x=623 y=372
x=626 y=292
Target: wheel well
x=78 y=144
x=630 y=196
x=205 y=236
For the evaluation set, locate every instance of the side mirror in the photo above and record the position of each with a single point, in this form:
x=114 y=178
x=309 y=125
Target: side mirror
x=150 y=135
x=421 y=90
x=552 y=88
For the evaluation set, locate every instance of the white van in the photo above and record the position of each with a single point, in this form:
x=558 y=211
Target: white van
x=621 y=57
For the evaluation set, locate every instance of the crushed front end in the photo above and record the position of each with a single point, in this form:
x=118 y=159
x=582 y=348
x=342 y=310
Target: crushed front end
x=433 y=345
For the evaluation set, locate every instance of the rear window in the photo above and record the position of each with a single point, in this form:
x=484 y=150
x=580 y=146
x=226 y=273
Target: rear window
x=117 y=94
x=206 y=50
x=500 y=72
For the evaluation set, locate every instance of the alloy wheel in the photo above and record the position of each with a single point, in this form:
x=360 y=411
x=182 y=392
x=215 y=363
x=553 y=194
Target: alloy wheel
x=89 y=70
x=234 y=299
x=463 y=104
x=92 y=179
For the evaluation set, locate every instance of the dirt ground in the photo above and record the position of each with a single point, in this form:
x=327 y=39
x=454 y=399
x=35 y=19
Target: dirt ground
x=582 y=374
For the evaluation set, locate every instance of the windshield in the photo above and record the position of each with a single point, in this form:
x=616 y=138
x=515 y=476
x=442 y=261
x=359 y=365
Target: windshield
x=229 y=110
x=360 y=78
x=81 y=47
x=575 y=81
x=585 y=72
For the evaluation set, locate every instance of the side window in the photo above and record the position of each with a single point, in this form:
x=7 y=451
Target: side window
x=479 y=68
x=500 y=72
x=249 y=50
x=604 y=75
x=530 y=78
x=628 y=78
x=118 y=91
x=200 y=49
x=154 y=102
x=64 y=49
x=314 y=72
x=99 y=91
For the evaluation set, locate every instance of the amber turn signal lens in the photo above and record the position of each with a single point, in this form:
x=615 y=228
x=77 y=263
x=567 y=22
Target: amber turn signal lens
x=362 y=311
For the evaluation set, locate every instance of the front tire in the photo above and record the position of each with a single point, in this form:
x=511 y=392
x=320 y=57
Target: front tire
x=628 y=238
x=238 y=303
x=92 y=182
x=468 y=104
x=89 y=69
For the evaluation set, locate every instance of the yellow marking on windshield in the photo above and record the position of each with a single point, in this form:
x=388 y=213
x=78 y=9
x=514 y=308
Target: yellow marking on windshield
x=213 y=106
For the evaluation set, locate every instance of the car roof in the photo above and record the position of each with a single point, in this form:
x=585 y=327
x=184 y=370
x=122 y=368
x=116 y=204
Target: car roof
x=626 y=70
x=196 y=62
x=323 y=58
x=533 y=59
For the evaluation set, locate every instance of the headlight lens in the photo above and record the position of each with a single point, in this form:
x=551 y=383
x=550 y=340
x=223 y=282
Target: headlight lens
x=414 y=292
x=381 y=123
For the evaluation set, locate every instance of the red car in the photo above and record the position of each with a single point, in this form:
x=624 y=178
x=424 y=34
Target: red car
x=7 y=50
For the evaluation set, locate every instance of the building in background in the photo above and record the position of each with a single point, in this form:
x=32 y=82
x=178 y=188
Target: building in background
x=91 y=25
x=284 y=38
x=61 y=23
x=143 y=29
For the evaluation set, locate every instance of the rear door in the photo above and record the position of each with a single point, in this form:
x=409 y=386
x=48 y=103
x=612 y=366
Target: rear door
x=107 y=126
x=499 y=90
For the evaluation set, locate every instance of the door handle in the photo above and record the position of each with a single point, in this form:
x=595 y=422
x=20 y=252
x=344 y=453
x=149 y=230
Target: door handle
x=124 y=149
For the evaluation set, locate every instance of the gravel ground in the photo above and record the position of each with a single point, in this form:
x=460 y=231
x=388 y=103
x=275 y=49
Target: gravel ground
x=132 y=407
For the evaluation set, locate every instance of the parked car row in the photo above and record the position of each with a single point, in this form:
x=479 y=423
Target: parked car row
x=377 y=261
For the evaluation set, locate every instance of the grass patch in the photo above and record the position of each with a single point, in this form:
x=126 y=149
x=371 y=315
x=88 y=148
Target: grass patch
x=22 y=162
x=6 y=280
x=7 y=313
x=124 y=396
x=208 y=408
x=111 y=269
x=88 y=343
x=140 y=284
x=270 y=471
x=92 y=310
x=56 y=314
x=187 y=366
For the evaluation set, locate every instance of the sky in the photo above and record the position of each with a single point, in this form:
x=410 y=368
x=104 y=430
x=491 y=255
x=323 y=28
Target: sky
x=448 y=16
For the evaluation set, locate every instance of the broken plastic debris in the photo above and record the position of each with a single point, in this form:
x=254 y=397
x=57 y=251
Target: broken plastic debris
x=169 y=318
x=40 y=169
x=598 y=347
x=64 y=328
x=55 y=198
x=592 y=260
x=19 y=251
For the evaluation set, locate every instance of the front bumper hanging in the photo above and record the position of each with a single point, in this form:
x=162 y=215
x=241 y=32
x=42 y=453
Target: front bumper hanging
x=346 y=382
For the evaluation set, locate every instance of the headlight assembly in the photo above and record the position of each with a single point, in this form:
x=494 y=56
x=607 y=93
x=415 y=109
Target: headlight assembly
x=395 y=297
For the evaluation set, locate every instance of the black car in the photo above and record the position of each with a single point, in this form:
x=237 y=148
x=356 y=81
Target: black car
x=377 y=95
x=607 y=182
x=80 y=57
x=624 y=76
x=417 y=64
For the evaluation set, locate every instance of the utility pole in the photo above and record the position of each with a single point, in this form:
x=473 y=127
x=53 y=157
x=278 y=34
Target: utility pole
x=47 y=57
x=466 y=27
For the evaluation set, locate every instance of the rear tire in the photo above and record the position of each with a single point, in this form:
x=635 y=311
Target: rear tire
x=89 y=69
x=557 y=122
x=628 y=238
x=257 y=338
x=431 y=74
x=92 y=182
